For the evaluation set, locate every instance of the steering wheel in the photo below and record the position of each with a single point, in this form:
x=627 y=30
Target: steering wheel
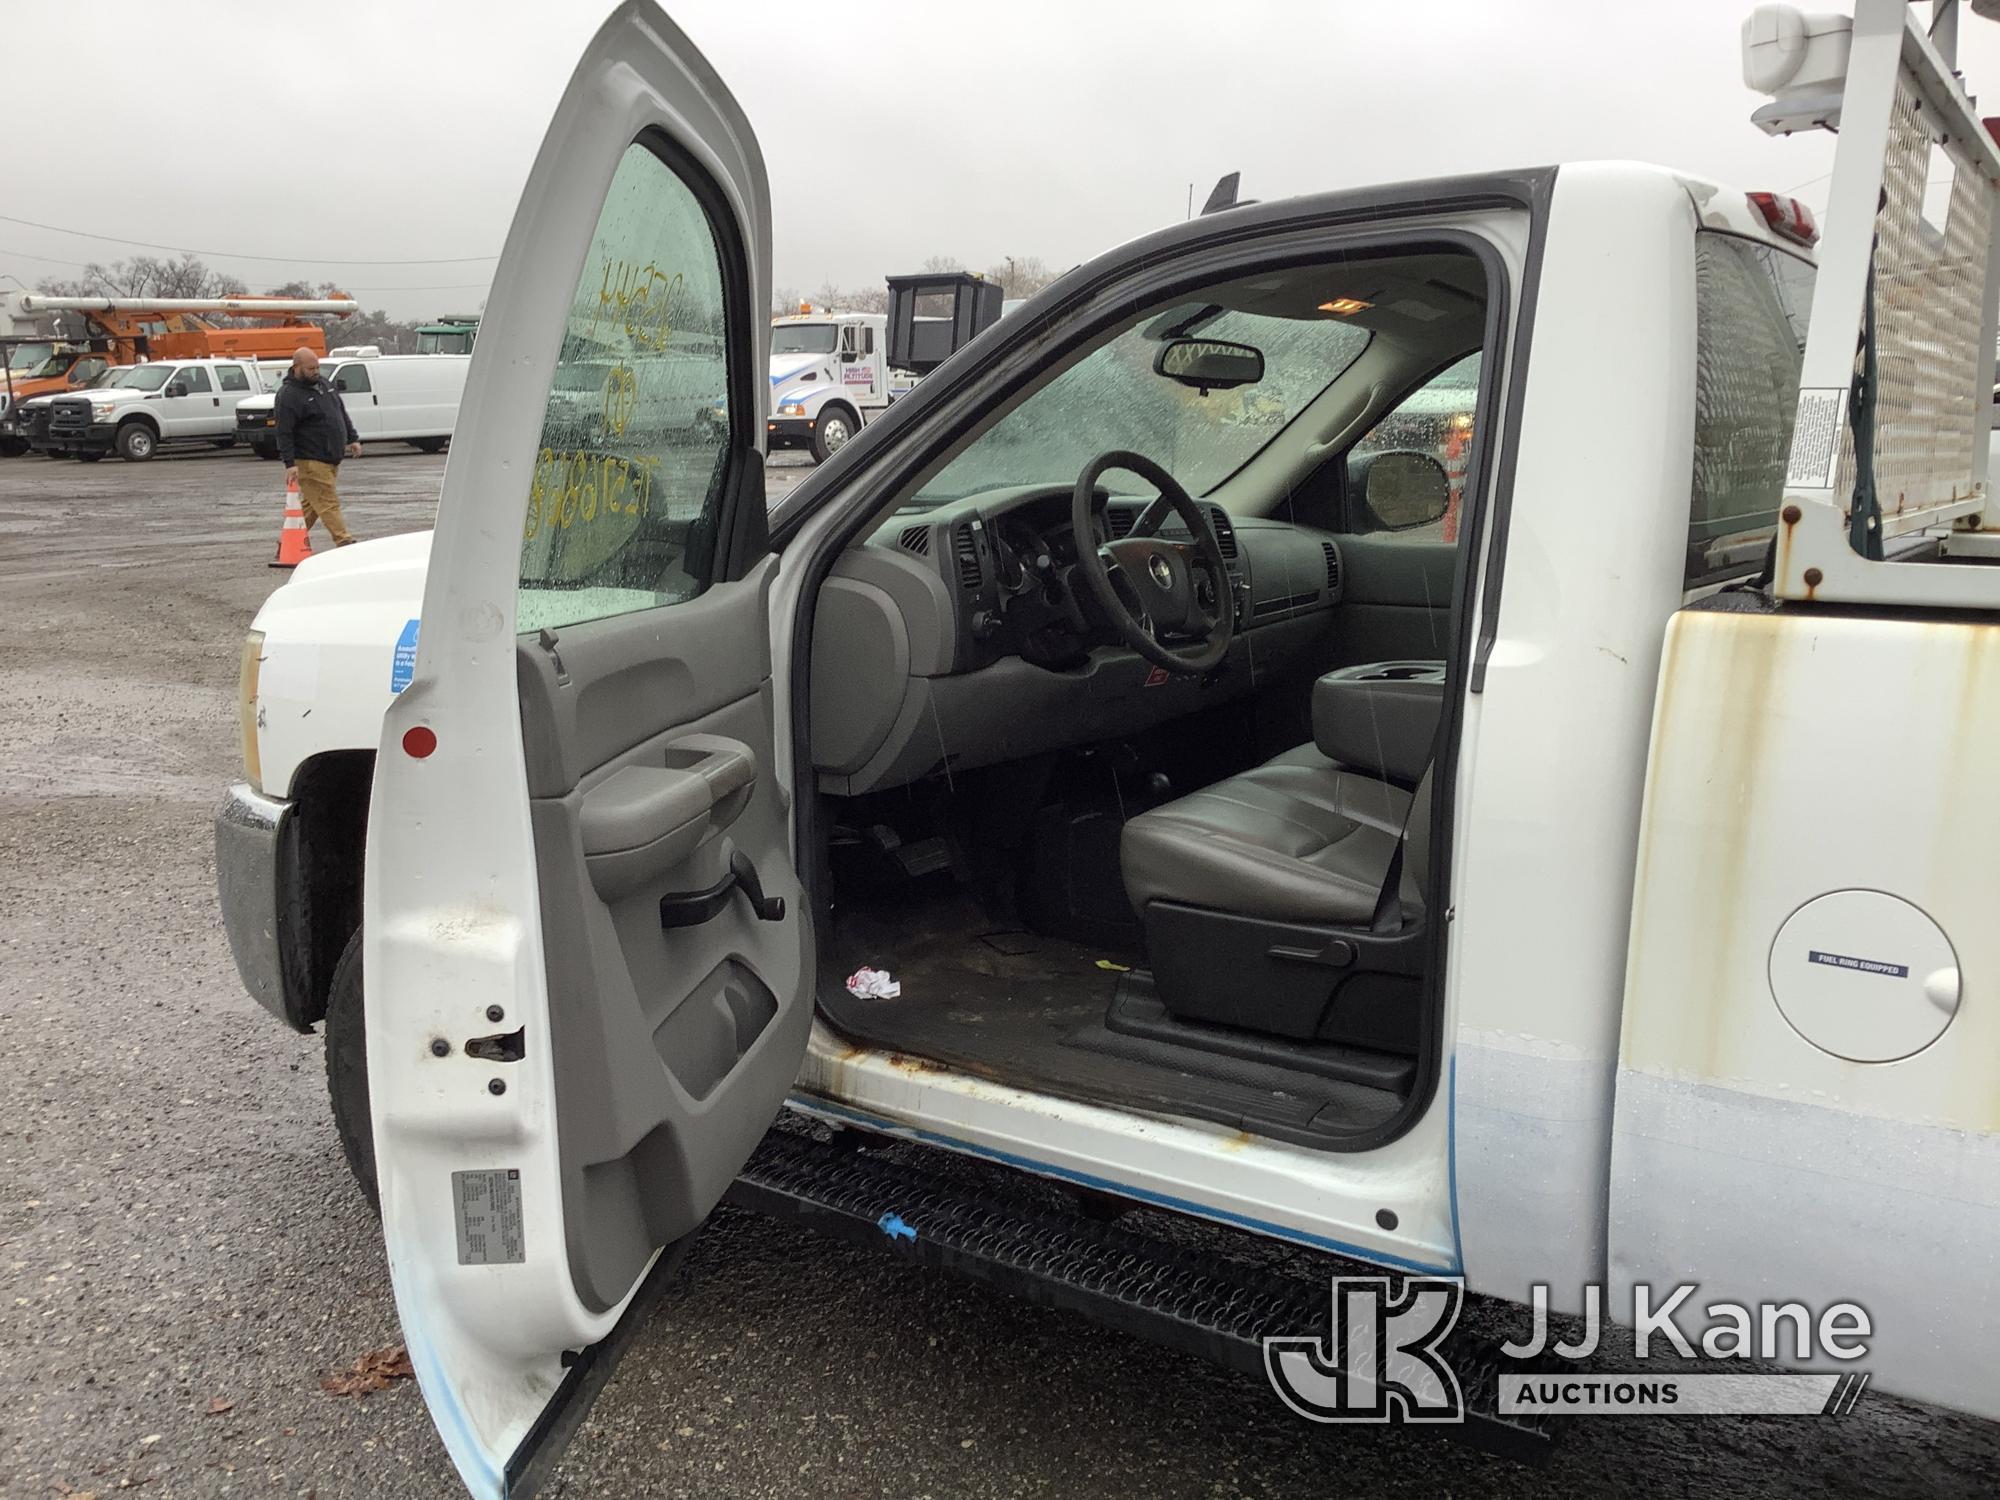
x=1148 y=585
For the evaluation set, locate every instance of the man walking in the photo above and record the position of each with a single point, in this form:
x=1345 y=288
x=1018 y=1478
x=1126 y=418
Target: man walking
x=314 y=433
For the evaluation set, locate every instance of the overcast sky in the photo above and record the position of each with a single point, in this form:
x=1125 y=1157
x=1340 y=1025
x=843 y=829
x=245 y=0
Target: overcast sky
x=322 y=136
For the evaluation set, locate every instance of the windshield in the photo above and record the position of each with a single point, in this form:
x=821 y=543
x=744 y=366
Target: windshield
x=451 y=341
x=25 y=357
x=1112 y=399
x=802 y=338
x=148 y=377
x=49 y=369
x=116 y=375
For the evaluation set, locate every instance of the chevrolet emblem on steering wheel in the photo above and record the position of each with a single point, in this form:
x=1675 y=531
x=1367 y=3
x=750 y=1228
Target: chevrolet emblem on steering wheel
x=1162 y=574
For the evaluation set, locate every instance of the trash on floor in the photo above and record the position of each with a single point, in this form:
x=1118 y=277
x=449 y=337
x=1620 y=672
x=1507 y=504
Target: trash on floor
x=1110 y=967
x=873 y=984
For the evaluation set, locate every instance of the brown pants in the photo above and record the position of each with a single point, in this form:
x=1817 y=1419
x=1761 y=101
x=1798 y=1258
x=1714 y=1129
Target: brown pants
x=320 y=500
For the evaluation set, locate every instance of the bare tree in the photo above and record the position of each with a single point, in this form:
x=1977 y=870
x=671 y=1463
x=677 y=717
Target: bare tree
x=1021 y=275
x=148 y=276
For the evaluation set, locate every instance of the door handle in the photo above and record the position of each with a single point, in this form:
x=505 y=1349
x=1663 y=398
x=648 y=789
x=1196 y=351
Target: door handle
x=691 y=908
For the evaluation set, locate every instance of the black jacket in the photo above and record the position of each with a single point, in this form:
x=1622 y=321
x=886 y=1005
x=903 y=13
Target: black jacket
x=312 y=421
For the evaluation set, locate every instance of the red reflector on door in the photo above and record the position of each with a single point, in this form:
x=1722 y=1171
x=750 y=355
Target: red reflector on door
x=419 y=742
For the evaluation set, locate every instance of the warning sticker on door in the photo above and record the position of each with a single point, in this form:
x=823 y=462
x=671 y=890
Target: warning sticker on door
x=1816 y=438
x=487 y=1208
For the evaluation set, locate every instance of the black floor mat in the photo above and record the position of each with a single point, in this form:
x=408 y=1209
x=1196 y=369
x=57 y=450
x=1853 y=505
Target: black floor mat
x=1017 y=1006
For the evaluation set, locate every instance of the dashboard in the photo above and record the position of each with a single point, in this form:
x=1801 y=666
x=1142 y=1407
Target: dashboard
x=956 y=637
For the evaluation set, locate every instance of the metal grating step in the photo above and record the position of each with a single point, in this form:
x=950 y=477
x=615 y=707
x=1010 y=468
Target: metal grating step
x=1176 y=1295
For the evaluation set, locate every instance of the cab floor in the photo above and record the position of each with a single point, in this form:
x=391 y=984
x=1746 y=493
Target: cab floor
x=1023 y=1008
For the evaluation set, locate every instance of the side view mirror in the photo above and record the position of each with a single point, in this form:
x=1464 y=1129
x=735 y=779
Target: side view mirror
x=177 y=388
x=340 y=382
x=1209 y=364
x=1403 y=490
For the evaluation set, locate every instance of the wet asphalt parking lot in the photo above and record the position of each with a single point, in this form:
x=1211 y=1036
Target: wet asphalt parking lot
x=182 y=1258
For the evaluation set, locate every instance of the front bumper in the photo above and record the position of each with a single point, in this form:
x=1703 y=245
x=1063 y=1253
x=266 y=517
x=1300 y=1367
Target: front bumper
x=252 y=836
x=96 y=438
x=789 y=432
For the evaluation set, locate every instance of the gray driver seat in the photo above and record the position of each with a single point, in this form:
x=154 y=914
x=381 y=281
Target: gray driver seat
x=1289 y=899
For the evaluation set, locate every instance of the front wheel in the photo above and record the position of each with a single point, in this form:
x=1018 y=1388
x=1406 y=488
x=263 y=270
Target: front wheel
x=836 y=426
x=347 y=1071
x=222 y=442
x=12 y=447
x=429 y=444
x=136 y=442
x=87 y=458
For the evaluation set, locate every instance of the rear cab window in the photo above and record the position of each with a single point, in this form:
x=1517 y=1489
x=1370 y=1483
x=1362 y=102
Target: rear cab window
x=1752 y=302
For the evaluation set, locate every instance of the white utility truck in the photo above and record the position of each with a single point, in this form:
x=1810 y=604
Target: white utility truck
x=1589 y=900
x=829 y=375
x=172 y=403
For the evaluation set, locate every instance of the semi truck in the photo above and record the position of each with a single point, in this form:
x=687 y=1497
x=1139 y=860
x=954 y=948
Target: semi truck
x=829 y=374
x=1132 y=815
x=833 y=371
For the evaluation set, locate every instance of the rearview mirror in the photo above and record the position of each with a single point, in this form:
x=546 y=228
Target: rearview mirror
x=1404 y=490
x=1209 y=364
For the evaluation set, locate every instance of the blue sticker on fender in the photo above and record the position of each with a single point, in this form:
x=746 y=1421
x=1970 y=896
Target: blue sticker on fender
x=404 y=665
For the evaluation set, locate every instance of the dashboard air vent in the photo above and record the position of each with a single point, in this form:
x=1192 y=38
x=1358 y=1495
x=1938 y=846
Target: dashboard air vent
x=915 y=539
x=1119 y=520
x=1225 y=534
x=1332 y=566
x=970 y=575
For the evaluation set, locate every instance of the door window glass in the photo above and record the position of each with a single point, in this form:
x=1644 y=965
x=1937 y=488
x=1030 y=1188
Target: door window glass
x=232 y=378
x=622 y=508
x=195 y=378
x=353 y=379
x=1416 y=495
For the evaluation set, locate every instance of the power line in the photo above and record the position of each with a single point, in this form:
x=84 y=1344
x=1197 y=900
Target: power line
x=54 y=260
x=457 y=287
x=295 y=260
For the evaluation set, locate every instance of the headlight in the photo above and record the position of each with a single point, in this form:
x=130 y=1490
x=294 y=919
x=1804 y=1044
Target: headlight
x=246 y=707
x=102 y=408
x=792 y=409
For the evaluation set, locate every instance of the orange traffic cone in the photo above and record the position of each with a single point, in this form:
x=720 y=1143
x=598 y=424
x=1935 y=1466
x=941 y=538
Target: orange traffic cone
x=294 y=547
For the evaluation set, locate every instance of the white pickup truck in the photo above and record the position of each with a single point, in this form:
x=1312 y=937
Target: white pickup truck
x=1585 y=901
x=172 y=402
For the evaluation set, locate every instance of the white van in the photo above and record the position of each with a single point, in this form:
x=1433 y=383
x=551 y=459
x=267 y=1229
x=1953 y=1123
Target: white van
x=391 y=398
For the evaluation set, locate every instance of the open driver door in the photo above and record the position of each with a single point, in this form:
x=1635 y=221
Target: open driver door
x=587 y=968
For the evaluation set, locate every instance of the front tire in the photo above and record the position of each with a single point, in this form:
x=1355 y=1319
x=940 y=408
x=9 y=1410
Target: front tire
x=834 y=430
x=137 y=442
x=429 y=444
x=86 y=458
x=347 y=1072
x=222 y=443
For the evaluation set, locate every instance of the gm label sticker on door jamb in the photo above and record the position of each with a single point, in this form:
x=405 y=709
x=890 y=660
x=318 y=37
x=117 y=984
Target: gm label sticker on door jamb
x=486 y=1206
